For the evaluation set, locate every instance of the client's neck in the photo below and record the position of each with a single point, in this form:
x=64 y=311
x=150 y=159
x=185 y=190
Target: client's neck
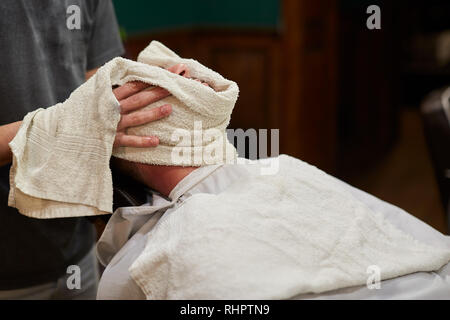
x=162 y=178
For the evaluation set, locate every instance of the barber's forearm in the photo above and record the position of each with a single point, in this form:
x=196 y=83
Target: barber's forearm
x=90 y=73
x=7 y=133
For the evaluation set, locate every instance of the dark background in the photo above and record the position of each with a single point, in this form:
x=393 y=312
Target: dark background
x=344 y=97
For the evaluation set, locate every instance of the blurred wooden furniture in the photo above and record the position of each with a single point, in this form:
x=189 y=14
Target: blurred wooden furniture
x=287 y=78
x=436 y=119
x=368 y=87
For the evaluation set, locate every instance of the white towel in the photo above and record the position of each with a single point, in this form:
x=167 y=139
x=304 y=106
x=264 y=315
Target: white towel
x=274 y=237
x=61 y=154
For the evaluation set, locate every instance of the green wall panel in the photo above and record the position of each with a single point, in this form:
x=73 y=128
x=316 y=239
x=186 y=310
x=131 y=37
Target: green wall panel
x=142 y=16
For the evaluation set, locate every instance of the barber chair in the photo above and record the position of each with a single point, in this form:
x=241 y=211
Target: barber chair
x=435 y=111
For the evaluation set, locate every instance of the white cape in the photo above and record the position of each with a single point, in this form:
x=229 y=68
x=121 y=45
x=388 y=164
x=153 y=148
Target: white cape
x=274 y=237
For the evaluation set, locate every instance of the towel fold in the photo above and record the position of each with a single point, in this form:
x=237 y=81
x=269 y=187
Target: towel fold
x=61 y=154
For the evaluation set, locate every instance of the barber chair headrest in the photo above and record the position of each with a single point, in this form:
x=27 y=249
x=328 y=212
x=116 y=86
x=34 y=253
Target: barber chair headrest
x=436 y=119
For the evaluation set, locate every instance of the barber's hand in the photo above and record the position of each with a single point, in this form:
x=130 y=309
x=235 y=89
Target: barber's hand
x=133 y=96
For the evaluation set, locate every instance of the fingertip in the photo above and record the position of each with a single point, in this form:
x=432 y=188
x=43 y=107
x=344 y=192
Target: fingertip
x=151 y=141
x=166 y=109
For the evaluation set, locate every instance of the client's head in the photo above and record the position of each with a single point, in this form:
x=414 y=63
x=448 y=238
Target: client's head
x=193 y=135
x=162 y=178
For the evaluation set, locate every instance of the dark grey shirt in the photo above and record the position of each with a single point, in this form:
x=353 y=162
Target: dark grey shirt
x=41 y=63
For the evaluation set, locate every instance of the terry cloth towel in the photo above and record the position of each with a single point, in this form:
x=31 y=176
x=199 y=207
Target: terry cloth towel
x=274 y=237
x=61 y=154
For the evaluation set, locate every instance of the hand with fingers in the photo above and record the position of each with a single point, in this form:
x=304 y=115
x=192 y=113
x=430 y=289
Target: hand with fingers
x=135 y=95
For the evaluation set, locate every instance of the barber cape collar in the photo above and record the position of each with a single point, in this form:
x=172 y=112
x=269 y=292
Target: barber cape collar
x=61 y=154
